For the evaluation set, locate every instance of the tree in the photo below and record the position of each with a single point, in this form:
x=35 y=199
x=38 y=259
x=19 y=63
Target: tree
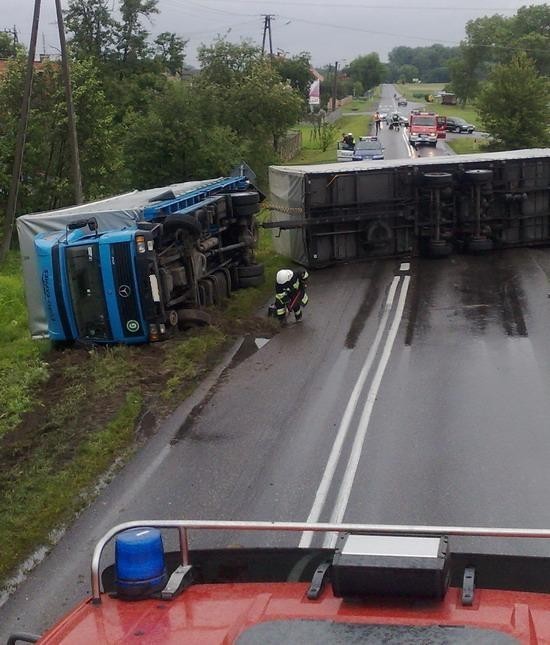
x=463 y=78
x=368 y=70
x=92 y=28
x=170 y=52
x=172 y=142
x=46 y=181
x=234 y=76
x=296 y=71
x=514 y=105
x=407 y=73
x=9 y=48
x=132 y=37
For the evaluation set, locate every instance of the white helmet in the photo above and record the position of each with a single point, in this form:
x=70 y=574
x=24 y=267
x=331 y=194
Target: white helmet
x=283 y=276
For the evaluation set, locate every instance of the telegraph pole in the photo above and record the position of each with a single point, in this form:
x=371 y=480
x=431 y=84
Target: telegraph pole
x=267 y=30
x=21 y=136
x=73 y=140
x=334 y=86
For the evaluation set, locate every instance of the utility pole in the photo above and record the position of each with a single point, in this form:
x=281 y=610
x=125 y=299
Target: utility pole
x=334 y=86
x=20 y=141
x=267 y=29
x=23 y=121
x=73 y=140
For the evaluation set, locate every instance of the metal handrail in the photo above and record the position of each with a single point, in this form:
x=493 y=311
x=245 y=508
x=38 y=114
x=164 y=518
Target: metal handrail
x=183 y=526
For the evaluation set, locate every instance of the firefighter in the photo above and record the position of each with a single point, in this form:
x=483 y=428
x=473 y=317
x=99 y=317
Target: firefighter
x=290 y=293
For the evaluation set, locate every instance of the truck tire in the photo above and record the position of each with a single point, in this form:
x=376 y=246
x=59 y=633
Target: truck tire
x=174 y=223
x=478 y=175
x=437 y=179
x=252 y=281
x=193 y=318
x=220 y=288
x=234 y=271
x=439 y=249
x=479 y=244
x=246 y=211
x=207 y=293
x=379 y=235
x=245 y=198
x=225 y=281
x=250 y=271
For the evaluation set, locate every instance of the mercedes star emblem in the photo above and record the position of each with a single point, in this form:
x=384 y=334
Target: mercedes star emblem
x=124 y=291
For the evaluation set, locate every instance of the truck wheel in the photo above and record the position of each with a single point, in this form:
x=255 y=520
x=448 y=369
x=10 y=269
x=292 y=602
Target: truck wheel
x=207 y=296
x=379 y=235
x=439 y=249
x=479 y=244
x=246 y=211
x=234 y=271
x=252 y=281
x=245 y=198
x=220 y=288
x=251 y=271
x=225 y=282
x=439 y=179
x=478 y=175
x=193 y=318
x=174 y=223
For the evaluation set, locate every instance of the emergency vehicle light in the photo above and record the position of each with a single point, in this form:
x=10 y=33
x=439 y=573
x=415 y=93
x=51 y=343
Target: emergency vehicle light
x=139 y=563
x=390 y=565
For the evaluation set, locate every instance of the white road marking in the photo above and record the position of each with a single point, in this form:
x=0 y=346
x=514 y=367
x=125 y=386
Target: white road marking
x=336 y=451
x=410 y=149
x=357 y=449
x=405 y=266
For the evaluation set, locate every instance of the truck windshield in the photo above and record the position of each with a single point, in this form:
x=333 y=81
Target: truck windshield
x=423 y=120
x=86 y=286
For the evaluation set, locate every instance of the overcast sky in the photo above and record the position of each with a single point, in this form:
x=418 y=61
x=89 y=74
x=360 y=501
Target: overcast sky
x=330 y=31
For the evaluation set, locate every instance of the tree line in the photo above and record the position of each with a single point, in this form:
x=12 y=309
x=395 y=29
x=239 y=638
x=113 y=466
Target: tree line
x=140 y=121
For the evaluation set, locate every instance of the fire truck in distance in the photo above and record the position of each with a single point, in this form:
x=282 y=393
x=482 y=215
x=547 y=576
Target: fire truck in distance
x=423 y=128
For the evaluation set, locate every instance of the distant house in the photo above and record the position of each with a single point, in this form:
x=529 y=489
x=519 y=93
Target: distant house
x=448 y=98
x=38 y=64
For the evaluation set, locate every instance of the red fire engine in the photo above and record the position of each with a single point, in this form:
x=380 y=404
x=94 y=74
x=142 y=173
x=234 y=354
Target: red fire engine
x=367 y=583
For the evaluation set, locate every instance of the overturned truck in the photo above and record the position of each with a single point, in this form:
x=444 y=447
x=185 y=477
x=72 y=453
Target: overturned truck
x=434 y=206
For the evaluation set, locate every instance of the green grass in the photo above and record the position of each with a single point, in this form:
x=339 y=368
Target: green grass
x=22 y=366
x=408 y=90
x=467 y=145
x=47 y=493
x=359 y=124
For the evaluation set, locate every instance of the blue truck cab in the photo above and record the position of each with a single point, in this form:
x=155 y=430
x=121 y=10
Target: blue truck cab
x=130 y=285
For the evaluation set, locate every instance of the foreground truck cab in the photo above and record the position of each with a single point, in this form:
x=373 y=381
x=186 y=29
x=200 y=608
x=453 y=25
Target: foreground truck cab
x=107 y=279
x=369 y=584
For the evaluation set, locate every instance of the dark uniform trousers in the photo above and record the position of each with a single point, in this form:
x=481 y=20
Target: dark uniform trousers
x=292 y=295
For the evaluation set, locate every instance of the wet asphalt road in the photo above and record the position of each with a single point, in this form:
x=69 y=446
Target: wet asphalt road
x=449 y=363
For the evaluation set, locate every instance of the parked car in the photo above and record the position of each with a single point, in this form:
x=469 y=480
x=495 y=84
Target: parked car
x=368 y=148
x=457 y=124
x=402 y=103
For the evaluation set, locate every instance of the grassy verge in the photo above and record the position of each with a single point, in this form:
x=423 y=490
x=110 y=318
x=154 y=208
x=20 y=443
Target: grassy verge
x=72 y=414
x=467 y=145
x=358 y=124
x=22 y=366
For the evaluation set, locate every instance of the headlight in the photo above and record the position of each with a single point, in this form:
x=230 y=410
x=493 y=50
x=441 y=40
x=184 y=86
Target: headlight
x=140 y=244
